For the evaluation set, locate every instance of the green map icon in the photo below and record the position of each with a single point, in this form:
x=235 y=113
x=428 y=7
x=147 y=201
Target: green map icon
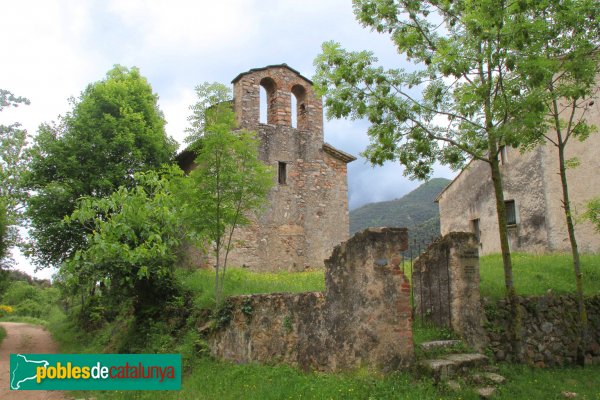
x=23 y=369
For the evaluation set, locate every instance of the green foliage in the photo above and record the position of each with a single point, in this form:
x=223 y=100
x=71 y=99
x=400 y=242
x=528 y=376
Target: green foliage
x=4 y=243
x=228 y=184
x=593 y=213
x=536 y=274
x=470 y=98
x=130 y=253
x=31 y=300
x=13 y=161
x=213 y=99
x=114 y=130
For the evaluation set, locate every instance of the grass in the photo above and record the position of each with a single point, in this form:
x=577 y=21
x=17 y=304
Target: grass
x=240 y=281
x=207 y=378
x=2 y=334
x=219 y=380
x=536 y=274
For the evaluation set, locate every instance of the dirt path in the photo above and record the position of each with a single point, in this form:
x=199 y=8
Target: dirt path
x=24 y=338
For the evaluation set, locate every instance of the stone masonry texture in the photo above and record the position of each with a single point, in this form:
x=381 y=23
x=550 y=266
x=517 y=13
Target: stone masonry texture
x=549 y=330
x=363 y=319
x=307 y=214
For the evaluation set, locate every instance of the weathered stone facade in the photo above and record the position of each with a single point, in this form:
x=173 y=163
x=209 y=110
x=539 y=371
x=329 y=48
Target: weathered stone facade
x=307 y=212
x=446 y=286
x=549 y=330
x=362 y=319
x=532 y=182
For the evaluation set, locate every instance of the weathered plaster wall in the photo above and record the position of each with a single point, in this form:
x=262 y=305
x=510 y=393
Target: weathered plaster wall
x=362 y=319
x=532 y=180
x=471 y=196
x=584 y=184
x=446 y=286
x=549 y=333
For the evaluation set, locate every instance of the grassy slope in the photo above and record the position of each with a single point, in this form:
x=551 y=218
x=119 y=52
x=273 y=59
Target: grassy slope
x=536 y=274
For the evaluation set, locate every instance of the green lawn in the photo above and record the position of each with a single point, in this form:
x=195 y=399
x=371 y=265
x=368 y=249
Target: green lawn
x=219 y=380
x=242 y=281
x=536 y=274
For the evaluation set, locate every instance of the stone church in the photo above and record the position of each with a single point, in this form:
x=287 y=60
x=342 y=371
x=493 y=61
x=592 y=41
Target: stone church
x=307 y=211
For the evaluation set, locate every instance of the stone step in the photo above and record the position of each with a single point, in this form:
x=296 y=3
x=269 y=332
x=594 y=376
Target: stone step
x=443 y=368
x=439 y=344
x=488 y=377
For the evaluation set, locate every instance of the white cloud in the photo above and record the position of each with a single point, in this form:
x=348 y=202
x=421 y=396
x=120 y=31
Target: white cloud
x=176 y=108
x=187 y=25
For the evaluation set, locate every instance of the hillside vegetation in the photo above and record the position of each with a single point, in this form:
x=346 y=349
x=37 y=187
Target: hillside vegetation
x=416 y=211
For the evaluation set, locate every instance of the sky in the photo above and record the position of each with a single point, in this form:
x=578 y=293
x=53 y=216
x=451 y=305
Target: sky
x=52 y=49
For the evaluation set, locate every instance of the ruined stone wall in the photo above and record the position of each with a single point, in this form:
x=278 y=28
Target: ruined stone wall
x=549 y=334
x=362 y=319
x=471 y=196
x=446 y=286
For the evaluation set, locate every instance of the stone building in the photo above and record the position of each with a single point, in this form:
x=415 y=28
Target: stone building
x=307 y=212
x=533 y=197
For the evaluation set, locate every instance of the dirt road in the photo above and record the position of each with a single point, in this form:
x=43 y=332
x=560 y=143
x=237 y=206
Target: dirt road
x=24 y=338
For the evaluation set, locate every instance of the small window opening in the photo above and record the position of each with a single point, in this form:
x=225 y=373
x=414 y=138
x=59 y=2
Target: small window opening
x=511 y=212
x=503 y=155
x=475 y=229
x=294 y=105
x=267 y=111
x=263 y=106
x=282 y=176
x=298 y=107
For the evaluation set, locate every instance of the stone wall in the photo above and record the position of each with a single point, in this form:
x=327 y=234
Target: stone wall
x=446 y=286
x=549 y=333
x=362 y=319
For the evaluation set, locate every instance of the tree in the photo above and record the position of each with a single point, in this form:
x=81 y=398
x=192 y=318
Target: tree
x=131 y=250
x=593 y=213
x=567 y=62
x=229 y=182
x=473 y=101
x=114 y=130
x=13 y=161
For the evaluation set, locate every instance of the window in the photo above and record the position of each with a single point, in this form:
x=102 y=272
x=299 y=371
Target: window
x=294 y=105
x=299 y=115
x=503 y=155
x=267 y=112
x=282 y=176
x=475 y=228
x=511 y=212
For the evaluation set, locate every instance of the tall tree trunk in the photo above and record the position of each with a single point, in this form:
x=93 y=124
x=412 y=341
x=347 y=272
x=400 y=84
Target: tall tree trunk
x=582 y=313
x=511 y=294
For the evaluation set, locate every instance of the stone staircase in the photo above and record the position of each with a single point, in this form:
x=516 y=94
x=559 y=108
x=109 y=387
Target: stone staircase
x=447 y=363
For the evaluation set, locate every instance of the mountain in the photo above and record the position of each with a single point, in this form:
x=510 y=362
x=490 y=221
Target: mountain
x=415 y=211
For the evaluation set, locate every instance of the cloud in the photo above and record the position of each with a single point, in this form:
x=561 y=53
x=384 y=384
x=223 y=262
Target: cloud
x=53 y=49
